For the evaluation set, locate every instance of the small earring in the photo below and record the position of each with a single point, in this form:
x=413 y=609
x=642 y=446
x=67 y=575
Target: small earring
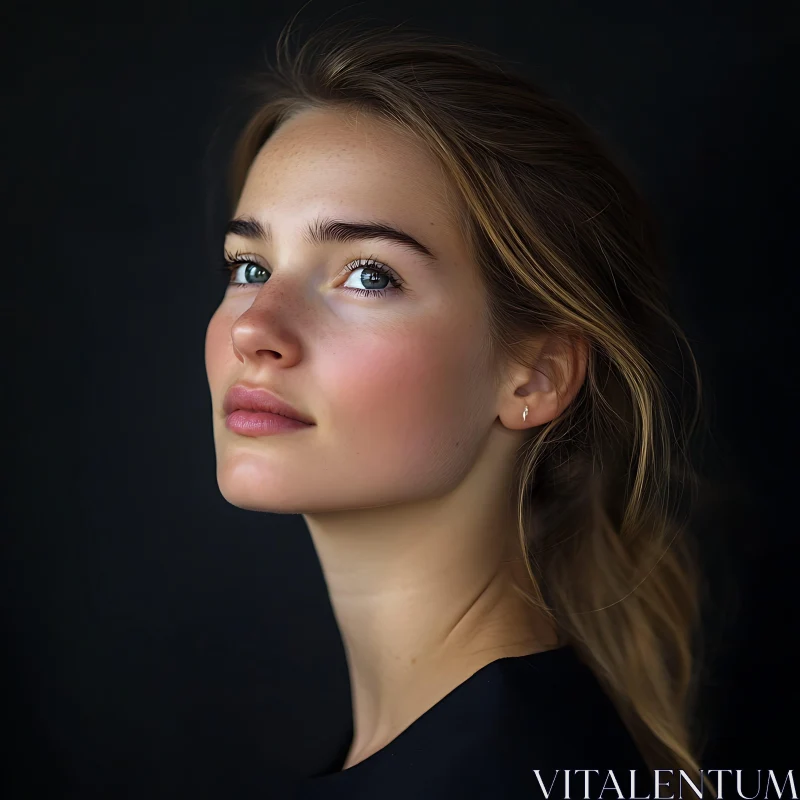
x=525 y=414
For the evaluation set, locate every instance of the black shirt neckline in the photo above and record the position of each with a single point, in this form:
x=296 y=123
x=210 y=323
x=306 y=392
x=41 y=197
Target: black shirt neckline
x=335 y=772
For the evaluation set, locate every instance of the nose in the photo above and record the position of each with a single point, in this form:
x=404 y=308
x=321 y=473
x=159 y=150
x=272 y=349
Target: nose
x=268 y=328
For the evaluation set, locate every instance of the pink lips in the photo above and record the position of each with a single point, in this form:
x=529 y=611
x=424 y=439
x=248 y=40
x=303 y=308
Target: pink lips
x=257 y=412
x=261 y=423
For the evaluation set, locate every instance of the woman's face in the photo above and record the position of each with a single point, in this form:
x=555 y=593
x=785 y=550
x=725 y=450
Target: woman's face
x=397 y=380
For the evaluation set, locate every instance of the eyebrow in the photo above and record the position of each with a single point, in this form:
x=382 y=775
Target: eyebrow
x=325 y=229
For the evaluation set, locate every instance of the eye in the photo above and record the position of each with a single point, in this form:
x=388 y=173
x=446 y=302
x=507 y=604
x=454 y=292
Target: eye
x=375 y=279
x=250 y=271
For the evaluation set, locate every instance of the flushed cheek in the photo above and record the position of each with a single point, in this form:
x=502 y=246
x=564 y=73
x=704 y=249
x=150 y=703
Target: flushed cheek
x=398 y=409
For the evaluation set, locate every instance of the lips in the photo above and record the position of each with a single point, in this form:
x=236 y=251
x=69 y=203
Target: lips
x=257 y=399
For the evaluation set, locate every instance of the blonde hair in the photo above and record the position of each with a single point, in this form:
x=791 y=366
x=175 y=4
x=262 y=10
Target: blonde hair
x=564 y=243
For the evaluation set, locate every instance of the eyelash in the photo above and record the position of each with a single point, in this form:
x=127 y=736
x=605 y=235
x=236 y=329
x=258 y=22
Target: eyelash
x=232 y=262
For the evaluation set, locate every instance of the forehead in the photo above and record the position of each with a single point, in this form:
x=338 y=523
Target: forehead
x=332 y=161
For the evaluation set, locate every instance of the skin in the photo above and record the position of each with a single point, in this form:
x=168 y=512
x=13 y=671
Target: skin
x=405 y=479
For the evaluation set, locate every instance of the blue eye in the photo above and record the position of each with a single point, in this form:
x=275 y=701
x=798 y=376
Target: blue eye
x=372 y=272
x=252 y=271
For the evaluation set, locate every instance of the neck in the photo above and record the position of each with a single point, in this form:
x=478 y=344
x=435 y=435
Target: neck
x=424 y=597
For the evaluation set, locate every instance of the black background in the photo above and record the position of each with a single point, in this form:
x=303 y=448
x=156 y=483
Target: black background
x=161 y=643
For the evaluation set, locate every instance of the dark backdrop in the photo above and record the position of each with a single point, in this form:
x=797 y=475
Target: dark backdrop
x=161 y=643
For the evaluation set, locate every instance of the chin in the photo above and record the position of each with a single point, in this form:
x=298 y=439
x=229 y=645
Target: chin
x=266 y=502
x=257 y=492
x=268 y=491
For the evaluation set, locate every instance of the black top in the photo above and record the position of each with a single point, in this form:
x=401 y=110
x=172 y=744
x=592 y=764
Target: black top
x=545 y=711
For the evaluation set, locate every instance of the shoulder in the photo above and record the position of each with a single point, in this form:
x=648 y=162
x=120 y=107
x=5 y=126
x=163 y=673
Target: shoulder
x=552 y=707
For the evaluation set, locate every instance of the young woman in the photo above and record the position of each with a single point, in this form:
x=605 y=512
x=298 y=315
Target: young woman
x=446 y=343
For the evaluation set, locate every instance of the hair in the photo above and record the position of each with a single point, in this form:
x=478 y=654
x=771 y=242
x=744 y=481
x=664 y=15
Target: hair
x=565 y=244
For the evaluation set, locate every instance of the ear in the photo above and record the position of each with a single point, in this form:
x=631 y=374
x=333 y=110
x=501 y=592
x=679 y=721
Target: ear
x=547 y=387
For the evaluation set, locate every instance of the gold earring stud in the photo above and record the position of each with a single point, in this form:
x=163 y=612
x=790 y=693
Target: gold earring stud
x=525 y=414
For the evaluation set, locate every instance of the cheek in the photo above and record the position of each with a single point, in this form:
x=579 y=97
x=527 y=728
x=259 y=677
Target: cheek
x=217 y=347
x=403 y=406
